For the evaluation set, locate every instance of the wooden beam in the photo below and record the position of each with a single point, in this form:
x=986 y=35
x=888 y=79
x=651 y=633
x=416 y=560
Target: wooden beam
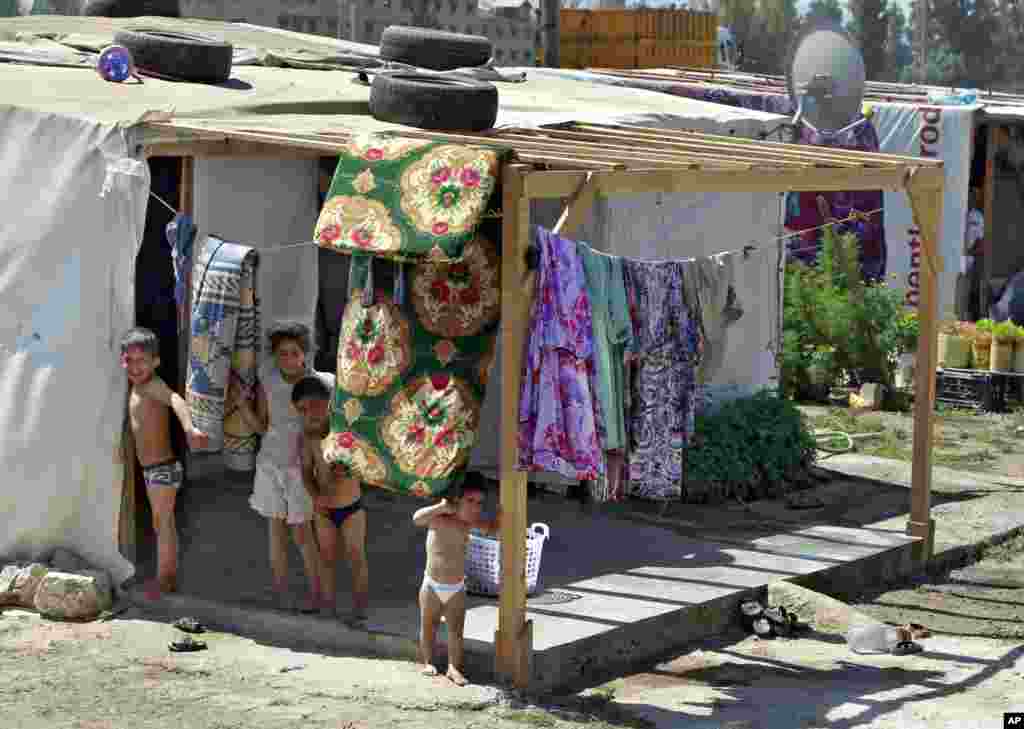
x=926 y=203
x=127 y=522
x=512 y=642
x=224 y=147
x=761 y=179
x=988 y=244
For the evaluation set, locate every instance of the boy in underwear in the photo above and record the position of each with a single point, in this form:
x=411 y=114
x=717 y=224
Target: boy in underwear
x=337 y=502
x=444 y=581
x=149 y=407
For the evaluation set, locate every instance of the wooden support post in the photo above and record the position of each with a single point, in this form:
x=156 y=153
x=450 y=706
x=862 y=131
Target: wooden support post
x=127 y=523
x=926 y=202
x=988 y=244
x=513 y=643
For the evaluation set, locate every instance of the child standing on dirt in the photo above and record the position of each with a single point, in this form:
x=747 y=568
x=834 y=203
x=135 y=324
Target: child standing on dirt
x=337 y=501
x=278 y=493
x=443 y=592
x=149 y=409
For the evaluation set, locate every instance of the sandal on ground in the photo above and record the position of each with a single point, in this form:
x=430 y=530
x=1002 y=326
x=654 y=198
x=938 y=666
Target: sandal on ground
x=917 y=631
x=750 y=610
x=779 y=619
x=800 y=501
x=186 y=644
x=763 y=628
x=189 y=625
x=906 y=648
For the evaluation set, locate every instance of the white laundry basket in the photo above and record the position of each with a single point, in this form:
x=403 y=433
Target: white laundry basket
x=483 y=561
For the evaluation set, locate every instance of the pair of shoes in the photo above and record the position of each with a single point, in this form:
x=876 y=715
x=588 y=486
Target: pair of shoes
x=769 y=622
x=189 y=625
x=186 y=644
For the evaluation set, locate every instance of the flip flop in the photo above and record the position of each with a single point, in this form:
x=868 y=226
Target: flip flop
x=763 y=628
x=918 y=631
x=750 y=610
x=189 y=625
x=906 y=648
x=779 y=619
x=186 y=645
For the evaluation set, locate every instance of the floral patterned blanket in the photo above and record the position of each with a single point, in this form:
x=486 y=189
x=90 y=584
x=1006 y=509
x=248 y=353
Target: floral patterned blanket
x=412 y=370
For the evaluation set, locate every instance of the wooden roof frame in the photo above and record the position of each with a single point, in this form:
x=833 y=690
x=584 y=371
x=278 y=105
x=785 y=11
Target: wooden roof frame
x=580 y=162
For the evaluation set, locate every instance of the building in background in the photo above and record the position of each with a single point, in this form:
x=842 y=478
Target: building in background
x=511 y=25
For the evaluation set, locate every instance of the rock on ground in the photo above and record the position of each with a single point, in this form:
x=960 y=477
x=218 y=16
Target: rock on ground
x=18 y=584
x=68 y=596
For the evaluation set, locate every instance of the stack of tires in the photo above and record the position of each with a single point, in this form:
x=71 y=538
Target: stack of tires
x=428 y=100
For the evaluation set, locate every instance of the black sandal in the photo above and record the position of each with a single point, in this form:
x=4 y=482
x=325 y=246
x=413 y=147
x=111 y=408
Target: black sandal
x=186 y=644
x=750 y=610
x=189 y=625
x=906 y=648
x=779 y=619
x=763 y=628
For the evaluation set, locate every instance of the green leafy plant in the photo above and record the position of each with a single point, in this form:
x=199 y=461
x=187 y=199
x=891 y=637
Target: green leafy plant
x=908 y=329
x=828 y=304
x=749 y=447
x=1005 y=331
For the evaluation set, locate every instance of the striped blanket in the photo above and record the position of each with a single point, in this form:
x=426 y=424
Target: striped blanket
x=224 y=347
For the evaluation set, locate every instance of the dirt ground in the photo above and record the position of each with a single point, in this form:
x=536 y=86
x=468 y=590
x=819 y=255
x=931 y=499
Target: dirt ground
x=963 y=439
x=985 y=599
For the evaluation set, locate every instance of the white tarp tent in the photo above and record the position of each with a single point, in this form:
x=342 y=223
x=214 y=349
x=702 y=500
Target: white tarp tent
x=77 y=192
x=75 y=208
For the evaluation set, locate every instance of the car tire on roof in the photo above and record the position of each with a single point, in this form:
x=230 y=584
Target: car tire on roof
x=436 y=50
x=185 y=56
x=132 y=8
x=430 y=101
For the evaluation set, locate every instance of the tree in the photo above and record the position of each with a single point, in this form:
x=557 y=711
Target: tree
x=869 y=25
x=897 y=48
x=968 y=28
x=825 y=10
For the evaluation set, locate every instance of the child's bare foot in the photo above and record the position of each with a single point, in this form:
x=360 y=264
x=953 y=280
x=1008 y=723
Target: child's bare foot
x=428 y=670
x=456 y=677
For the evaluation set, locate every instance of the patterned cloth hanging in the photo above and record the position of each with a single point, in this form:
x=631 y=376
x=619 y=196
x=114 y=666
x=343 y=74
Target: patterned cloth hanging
x=559 y=414
x=668 y=353
x=225 y=347
x=412 y=376
x=407 y=199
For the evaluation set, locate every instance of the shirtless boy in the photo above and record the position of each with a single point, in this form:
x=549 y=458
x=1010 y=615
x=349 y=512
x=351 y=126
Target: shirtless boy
x=444 y=582
x=149 y=406
x=337 y=502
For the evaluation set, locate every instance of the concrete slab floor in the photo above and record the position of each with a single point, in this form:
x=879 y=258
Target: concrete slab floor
x=601 y=576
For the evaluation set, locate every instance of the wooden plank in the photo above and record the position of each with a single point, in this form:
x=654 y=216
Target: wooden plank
x=513 y=647
x=232 y=148
x=766 y=179
x=926 y=203
x=988 y=248
x=877 y=158
x=128 y=522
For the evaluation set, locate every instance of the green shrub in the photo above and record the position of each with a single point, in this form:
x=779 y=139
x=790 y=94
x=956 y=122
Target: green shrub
x=749 y=447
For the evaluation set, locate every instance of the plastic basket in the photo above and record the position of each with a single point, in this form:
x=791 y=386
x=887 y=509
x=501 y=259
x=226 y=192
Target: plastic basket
x=483 y=561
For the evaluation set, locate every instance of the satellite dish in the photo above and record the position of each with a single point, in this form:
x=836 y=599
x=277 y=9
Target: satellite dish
x=826 y=78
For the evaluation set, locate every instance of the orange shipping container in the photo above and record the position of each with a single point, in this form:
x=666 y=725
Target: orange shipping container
x=637 y=38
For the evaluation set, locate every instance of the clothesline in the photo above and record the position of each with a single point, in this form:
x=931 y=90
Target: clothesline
x=751 y=247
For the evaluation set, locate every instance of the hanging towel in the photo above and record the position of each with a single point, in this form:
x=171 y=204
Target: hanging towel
x=559 y=413
x=711 y=283
x=288 y=284
x=225 y=347
x=668 y=347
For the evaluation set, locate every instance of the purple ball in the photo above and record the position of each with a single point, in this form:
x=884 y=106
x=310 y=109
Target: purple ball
x=115 y=64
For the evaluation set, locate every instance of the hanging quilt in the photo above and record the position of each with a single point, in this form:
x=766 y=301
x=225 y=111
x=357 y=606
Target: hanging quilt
x=407 y=199
x=225 y=346
x=412 y=374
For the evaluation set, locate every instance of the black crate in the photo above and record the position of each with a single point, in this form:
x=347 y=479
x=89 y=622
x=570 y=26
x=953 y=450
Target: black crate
x=975 y=389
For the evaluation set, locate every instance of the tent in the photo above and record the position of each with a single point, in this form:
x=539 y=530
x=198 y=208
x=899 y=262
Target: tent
x=72 y=161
